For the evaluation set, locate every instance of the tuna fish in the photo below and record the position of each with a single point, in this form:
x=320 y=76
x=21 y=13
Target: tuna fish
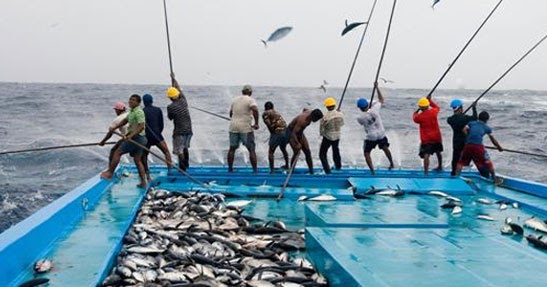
x=536 y=224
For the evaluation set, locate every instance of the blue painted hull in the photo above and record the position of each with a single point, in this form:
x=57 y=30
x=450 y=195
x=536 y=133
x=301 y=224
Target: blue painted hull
x=82 y=231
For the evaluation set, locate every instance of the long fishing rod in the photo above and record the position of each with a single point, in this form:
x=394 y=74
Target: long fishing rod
x=171 y=59
x=506 y=72
x=168 y=38
x=518 y=151
x=211 y=113
x=465 y=47
x=356 y=55
x=383 y=51
x=53 y=147
x=165 y=161
x=291 y=170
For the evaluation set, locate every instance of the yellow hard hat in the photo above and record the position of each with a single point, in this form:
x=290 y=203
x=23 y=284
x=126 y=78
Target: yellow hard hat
x=329 y=102
x=423 y=102
x=172 y=92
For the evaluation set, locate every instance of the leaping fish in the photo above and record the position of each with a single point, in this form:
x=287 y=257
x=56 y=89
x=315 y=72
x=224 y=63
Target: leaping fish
x=435 y=3
x=277 y=34
x=351 y=26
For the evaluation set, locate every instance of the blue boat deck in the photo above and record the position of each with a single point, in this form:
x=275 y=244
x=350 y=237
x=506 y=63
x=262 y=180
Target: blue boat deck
x=381 y=241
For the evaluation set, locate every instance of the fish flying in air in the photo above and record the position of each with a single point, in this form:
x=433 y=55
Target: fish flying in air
x=351 y=26
x=323 y=86
x=435 y=3
x=277 y=34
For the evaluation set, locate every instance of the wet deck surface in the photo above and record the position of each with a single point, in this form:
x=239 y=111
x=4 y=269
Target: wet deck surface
x=79 y=254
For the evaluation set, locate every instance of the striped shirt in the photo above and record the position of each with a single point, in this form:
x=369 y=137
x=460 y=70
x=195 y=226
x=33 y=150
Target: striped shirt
x=179 y=113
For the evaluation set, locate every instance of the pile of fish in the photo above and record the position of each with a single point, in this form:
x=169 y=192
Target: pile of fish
x=197 y=239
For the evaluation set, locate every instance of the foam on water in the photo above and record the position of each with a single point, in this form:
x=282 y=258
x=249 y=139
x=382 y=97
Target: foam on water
x=81 y=111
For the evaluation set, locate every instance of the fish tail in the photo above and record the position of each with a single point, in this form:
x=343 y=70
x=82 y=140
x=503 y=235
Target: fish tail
x=265 y=43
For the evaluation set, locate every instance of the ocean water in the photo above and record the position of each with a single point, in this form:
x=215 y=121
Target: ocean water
x=38 y=115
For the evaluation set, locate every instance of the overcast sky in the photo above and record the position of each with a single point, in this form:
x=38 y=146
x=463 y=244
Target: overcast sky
x=218 y=42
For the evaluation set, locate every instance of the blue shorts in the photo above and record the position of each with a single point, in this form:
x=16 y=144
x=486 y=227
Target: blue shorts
x=278 y=140
x=131 y=148
x=247 y=139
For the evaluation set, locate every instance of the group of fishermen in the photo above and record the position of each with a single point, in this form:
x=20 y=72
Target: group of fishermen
x=145 y=126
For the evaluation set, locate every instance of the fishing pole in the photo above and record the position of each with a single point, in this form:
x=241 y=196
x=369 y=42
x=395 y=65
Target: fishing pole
x=168 y=38
x=171 y=60
x=291 y=170
x=202 y=184
x=506 y=72
x=53 y=147
x=211 y=113
x=465 y=47
x=383 y=51
x=518 y=151
x=356 y=55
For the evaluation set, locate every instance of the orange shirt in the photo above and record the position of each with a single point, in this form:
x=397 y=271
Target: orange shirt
x=429 y=124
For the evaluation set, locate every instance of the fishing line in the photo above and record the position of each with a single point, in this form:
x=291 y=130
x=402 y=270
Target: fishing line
x=465 y=47
x=517 y=151
x=383 y=51
x=168 y=38
x=53 y=147
x=506 y=72
x=356 y=55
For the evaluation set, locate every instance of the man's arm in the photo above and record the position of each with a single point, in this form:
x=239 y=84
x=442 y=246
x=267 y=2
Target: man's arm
x=465 y=130
x=139 y=129
x=174 y=82
x=474 y=109
x=255 y=116
x=380 y=96
x=121 y=124
x=495 y=142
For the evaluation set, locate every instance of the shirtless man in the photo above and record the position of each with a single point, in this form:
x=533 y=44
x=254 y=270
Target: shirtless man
x=298 y=140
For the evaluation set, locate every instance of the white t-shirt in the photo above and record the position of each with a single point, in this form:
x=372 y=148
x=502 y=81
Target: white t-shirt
x=372 y=122
x=242 y=115
x=118 y=120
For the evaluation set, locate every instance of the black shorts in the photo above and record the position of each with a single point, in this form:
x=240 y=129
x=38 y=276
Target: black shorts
x=279 y=140
x=430 y=148
x=370 y=145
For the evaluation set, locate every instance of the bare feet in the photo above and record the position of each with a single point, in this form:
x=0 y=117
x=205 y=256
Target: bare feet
x=498 y=181
x=107 y=175
x=141 y=185
x=391 y=167
x=439 y=168
x=284 y=167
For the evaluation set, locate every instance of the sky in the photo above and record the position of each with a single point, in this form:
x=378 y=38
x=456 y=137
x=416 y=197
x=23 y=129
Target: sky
x=217 y=42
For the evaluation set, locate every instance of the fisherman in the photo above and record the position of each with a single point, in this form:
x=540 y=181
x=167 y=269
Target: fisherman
x=179 y=113
x=298 y=140
x=154 y=128
x=135 y=132
x=430 y=133
x=278 y=136
x=458 y=121
x=119 y=109
x=242 y=113
x=329 y=129
x=374 y=128
x=474 y=148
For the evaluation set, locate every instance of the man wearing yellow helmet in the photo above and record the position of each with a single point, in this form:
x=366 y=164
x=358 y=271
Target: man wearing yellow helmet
x=329 y=128
x=430 y=133
x=179 y=113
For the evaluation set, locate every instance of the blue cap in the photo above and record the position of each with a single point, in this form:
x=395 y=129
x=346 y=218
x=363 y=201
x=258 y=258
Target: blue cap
x=362 y=103
x=456 y=103
x=147 y=99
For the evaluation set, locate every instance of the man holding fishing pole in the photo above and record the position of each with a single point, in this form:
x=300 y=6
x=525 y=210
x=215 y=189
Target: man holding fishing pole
x=179 y=113
x=430 y=134
x=135 y=131
x=244 y=120
x=278 y=136
x=298 y=140
x=330 y=129
x=120 y=110
x=375 y=133
x=154 y=129
x=458 y=121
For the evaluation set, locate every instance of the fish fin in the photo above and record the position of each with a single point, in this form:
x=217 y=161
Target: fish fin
x=346 y=22
x=265 y=43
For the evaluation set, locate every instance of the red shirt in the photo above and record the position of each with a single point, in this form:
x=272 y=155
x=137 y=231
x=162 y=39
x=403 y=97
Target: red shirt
x=429 y=124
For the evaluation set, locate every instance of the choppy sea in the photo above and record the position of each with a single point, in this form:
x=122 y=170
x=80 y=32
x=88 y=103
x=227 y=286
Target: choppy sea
x=38 y=115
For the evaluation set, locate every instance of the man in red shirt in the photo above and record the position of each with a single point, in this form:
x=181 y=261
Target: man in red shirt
x=430 y=133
